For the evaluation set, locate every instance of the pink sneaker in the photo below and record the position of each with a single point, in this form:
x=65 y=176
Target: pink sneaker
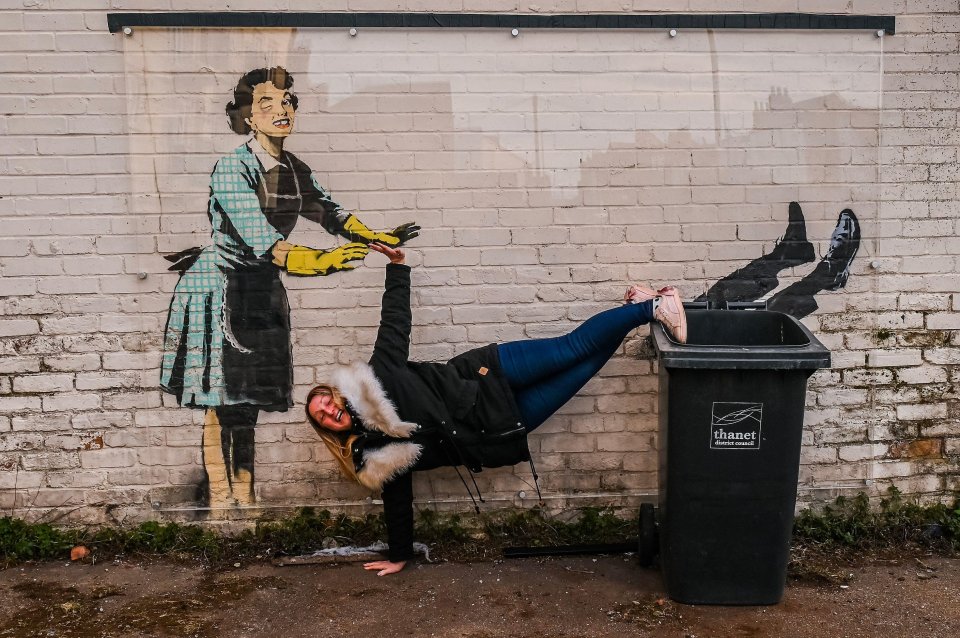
x=670 y=313
x=639 y=294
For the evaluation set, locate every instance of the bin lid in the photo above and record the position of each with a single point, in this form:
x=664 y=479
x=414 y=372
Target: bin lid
x=741 y=339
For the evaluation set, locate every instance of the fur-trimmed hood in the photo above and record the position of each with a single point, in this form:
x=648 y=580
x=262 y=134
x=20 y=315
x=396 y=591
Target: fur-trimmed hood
x=361 y=388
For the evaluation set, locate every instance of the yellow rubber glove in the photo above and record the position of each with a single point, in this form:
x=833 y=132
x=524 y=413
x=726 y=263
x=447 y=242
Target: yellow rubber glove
x=397 y=237
x=310 y=261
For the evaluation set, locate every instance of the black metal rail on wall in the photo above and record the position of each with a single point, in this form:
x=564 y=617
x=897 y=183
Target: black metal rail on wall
x=248 y=19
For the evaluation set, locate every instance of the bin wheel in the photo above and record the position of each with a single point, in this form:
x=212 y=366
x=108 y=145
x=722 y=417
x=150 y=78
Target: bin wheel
x=649 y=540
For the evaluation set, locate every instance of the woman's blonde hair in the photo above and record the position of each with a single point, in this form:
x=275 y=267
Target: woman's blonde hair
x=340 y=444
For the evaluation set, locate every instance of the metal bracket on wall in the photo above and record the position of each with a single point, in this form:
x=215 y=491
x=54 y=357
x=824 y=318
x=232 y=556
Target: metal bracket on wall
x=116 y=22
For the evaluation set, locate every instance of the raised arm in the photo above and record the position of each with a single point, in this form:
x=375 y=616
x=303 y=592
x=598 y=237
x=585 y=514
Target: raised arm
x=393 y=337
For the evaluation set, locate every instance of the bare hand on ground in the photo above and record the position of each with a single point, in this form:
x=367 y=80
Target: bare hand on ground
x=384 y=567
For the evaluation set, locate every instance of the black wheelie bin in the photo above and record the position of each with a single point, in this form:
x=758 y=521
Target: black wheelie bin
x=731 y=417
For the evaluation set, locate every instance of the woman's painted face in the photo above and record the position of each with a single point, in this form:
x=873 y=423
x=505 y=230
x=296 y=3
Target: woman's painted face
x=326 y=411
x=272 y=111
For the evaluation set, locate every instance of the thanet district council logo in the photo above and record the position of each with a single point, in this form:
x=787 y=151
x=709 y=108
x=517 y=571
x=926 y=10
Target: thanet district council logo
x=735 y=426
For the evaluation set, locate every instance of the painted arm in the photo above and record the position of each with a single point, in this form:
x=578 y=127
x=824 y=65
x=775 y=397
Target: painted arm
x=319 y=207
x=301 y=260
x=233 y=195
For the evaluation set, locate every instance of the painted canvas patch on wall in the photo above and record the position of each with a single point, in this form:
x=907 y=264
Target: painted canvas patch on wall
x=548 y=169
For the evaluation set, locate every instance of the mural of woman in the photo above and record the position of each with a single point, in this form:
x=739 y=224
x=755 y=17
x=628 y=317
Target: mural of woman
x=227 y=344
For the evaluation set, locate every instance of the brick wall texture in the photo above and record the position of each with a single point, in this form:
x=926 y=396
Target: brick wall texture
x=548 y=171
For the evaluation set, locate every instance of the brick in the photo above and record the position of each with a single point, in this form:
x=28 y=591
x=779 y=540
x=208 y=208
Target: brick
x=818 y=455
x=70 y=325
x=943 y=356
x=131 y=360
x=917 y=449
x=50 y=461
x=568 y=443
x=31 y=306
x=9 y=405
x=74 y=479
x=103 y=381
x=21 y=442
x=13 y=365
x=889 y=469
x=906 y=412
x=854 y=453
x=878 y=358
x=18 y=327
x=129 y=400
x=98 y=420
x=508 y=256
x=107 y=458
x=171 y=456
x=72 y=363
x=624 y=442
x=43 y=383
x=843 y=396
x=944 y=321
x=451 y=257
x=165 y=418
x=922 y=374
x=71 y=401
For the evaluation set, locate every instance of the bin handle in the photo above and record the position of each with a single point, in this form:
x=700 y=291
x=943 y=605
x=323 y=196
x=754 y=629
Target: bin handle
x=746 y=305
x=728 y=305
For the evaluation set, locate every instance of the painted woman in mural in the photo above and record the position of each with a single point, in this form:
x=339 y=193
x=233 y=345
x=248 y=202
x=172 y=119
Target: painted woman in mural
x=227 y=346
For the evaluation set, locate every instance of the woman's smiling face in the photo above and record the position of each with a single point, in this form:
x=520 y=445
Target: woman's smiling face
x=272 y=111
x=329 y=413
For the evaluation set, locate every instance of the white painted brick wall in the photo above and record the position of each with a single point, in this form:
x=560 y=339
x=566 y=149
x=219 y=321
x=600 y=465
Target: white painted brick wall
x=501 y=257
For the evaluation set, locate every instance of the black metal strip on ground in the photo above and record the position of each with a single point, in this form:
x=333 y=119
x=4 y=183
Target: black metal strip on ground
x=570 y=550
x=260 y=19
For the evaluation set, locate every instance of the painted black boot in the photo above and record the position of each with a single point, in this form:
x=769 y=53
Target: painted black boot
x=759 y=277
x=830 y=274
x=793 y=248
x=844 y=244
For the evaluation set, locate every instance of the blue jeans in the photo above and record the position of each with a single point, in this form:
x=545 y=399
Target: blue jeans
x=546 y=373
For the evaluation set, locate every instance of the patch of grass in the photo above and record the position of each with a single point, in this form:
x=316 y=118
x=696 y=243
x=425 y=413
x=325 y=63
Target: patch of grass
x=449 y=535
x=535 y=528
x=895 y=522
x=846 y=524
x=307 y=529
x=157 y=538
x=20 y=540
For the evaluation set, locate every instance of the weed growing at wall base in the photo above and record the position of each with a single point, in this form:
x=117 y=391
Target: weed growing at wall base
x=897 y=521
x=848 y=523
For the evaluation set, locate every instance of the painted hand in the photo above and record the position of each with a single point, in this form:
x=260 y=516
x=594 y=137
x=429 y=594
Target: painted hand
x=405 y=232
x=310 y=261
x=396 y=237
x=384 y=567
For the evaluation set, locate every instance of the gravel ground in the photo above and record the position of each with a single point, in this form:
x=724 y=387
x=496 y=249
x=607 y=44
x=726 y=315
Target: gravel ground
x=576 y=597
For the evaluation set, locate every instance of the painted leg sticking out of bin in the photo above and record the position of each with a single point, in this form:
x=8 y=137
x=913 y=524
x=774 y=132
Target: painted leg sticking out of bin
x=760 y=277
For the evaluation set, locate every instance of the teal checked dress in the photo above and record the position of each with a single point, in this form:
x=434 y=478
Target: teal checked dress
x=227 y=338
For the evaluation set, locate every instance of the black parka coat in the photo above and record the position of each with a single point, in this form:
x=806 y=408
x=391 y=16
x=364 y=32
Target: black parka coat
x=464 y=410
